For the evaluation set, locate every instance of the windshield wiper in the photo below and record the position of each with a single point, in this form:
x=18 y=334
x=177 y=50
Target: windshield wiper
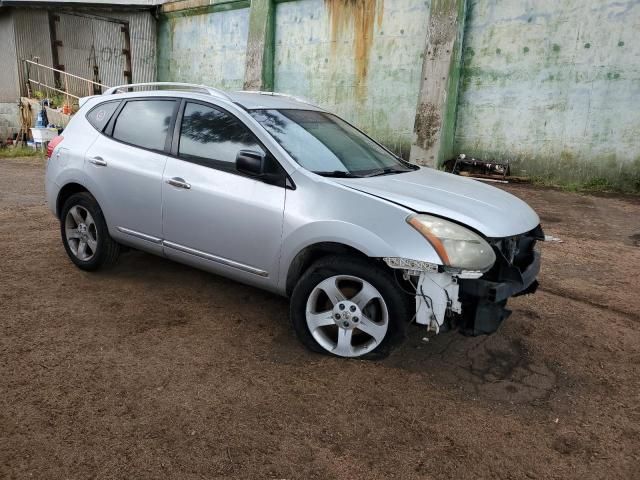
x=386 y=171
x=338 y=174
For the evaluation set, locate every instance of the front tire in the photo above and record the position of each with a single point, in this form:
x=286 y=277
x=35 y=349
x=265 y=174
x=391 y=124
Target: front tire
x=349 y=307
x=85 y=235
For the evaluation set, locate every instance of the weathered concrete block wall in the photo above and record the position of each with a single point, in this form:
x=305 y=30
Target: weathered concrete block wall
x=553 y=85
x=362 y=60
x=8 y=120
x=207 y=48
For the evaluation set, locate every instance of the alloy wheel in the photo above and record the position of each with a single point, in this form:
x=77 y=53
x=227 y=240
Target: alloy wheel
x=347 y=316
x=81 y=233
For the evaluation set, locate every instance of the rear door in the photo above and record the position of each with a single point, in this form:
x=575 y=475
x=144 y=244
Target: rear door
x=127 y=163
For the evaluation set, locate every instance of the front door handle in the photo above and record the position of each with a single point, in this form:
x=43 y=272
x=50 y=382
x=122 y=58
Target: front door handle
x=99 y=161
x=179 y=182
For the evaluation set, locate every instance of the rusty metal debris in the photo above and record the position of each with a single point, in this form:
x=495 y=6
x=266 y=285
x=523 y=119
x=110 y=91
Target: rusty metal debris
x=481 y=169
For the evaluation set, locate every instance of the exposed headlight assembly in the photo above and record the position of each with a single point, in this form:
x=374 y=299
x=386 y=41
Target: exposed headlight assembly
x=459 y=248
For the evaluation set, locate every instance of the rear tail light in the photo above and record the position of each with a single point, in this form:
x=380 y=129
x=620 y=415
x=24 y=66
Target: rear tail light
x=53 y=144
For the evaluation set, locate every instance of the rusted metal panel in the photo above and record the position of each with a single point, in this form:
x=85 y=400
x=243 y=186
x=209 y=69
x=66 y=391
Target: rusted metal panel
x=32 y=40
x=108 y=47
x=9 y=90
x=75 y=51
x=113 y=49
x=142 y=34
x=86 y=42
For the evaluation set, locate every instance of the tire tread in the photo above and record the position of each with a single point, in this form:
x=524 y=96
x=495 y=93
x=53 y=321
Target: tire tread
x=109 y=249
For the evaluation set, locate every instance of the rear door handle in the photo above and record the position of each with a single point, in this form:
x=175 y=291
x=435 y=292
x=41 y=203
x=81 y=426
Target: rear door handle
x=99 y=161
x=179 y=182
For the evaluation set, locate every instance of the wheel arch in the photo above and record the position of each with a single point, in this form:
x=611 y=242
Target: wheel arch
x=65 y=192
x=311 y=253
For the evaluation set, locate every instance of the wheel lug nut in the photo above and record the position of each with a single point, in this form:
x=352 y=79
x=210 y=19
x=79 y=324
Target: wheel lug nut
x=352 y=308
x=337 y=316
x=346 y=324
x=355 y=319
x=341 y=306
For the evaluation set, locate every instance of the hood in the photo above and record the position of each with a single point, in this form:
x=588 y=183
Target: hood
x=489 y=210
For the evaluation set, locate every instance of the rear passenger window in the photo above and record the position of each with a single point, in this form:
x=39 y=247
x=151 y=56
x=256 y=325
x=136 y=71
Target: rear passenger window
x=214 y=137
x=144 y=123
x=99 y=115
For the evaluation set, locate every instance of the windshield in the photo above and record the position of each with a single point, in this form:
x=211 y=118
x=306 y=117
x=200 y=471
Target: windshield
x=327 y=145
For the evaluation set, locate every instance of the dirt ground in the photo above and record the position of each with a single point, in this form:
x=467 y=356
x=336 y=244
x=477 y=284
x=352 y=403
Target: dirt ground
x=156 y=370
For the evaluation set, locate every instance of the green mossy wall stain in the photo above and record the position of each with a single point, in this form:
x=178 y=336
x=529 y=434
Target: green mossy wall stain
x=563 y=107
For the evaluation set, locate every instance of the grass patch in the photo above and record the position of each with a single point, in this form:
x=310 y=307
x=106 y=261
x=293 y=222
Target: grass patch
x=20 y=152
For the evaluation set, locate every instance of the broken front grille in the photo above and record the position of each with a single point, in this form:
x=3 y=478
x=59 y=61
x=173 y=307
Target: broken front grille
x=516 y=250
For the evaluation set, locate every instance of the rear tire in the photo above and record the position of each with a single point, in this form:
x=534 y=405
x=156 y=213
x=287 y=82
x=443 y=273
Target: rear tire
x=85 y=235
x=349 y=307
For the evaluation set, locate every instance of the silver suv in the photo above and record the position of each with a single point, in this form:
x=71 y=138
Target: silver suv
x=272 y=191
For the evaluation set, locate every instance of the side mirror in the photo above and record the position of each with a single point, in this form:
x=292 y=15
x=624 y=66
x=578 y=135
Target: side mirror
x=250 y=162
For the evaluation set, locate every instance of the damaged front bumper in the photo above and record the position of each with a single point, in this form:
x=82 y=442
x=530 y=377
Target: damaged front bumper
x=477 y=306
x=483 y=301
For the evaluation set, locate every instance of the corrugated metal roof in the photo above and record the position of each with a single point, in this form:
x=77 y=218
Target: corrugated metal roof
x=138 y=3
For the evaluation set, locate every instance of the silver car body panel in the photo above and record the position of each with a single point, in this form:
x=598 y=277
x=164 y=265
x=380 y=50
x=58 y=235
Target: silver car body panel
x=489 y=210
x=224 y=216
x=249 y=230
x=130 y=183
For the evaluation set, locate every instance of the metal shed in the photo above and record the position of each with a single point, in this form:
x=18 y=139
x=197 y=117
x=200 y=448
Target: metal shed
x=109 y=43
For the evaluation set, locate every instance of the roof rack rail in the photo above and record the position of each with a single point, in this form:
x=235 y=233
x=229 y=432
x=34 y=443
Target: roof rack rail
x=180 y=86
x=277 y=94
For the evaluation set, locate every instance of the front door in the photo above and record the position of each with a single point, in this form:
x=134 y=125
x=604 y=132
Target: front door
x=213 y=216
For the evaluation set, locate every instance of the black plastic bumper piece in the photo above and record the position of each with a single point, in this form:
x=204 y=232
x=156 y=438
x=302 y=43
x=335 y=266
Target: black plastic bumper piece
x=484 y=301
x=516 y=283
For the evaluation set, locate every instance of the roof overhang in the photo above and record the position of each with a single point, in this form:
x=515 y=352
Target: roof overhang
x=85 y=3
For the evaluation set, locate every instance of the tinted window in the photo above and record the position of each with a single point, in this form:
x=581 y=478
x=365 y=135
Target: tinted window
x=213 y=135
x=99 y=115
x=144 y=123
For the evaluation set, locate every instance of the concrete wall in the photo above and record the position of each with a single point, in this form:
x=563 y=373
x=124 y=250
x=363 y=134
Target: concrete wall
x=8 y=120
x=554 y=86
x=207 y=48
x=361 y=60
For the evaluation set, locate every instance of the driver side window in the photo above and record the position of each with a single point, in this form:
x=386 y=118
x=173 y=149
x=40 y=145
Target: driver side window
x=213 y=137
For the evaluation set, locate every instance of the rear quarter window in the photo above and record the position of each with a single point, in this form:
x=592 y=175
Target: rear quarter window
x=99 y=115
x=144 y=123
